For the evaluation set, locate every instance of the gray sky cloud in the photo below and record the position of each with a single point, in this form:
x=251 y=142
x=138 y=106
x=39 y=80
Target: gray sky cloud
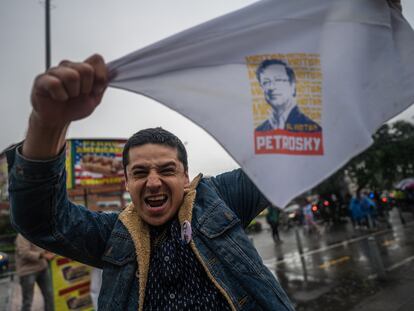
x=113 y=29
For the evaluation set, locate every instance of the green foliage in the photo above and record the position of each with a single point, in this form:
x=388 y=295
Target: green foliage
x=389 y=159
x=8 y=248
x=5 y=225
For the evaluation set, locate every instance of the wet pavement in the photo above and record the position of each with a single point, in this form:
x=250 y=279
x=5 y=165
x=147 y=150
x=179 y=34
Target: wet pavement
x=342 y=267
x=11 y=297
x=334 y=270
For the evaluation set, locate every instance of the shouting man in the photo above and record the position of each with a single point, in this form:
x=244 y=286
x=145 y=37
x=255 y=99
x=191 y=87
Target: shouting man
x=179 y=245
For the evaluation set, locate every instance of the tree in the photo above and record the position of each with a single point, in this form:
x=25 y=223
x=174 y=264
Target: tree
x=389 y=159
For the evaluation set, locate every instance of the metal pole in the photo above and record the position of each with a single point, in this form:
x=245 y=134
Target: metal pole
x=302 y=259
x=47 y=29
x=376 y=258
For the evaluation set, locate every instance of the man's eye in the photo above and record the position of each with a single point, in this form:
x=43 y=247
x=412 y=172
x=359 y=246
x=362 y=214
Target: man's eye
x=139 y=173
x=282 y=80
x=167 y=171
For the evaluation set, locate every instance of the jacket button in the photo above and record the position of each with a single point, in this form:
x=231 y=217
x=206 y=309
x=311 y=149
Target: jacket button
x=228 y=215
x=172 y=296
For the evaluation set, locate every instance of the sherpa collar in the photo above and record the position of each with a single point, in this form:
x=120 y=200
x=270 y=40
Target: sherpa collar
x=140 y=234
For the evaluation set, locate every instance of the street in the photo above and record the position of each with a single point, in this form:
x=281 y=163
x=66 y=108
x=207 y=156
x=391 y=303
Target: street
x=337 y=269
x=351 y=263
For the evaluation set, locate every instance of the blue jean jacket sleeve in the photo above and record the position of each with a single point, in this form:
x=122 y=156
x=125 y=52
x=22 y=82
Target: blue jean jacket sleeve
x=241 y=195
x=41 y=211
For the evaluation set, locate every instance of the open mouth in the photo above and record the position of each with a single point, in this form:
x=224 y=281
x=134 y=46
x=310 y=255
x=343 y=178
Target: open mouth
x=156 y=201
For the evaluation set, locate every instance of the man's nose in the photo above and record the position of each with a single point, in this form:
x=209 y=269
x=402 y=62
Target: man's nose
x=275 y=84
x=272 y=85
x=153 y=182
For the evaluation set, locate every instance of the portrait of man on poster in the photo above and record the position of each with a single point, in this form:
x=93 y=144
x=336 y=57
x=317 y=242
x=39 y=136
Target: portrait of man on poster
x=278 y=83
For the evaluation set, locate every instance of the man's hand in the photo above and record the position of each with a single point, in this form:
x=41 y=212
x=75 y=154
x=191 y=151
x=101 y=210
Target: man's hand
x=395 y=4
x=48 y=255
x=68 y=92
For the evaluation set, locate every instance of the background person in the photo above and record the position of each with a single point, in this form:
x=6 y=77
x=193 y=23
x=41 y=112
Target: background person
x=96 y=283
x=310 y=223
x=32 y=268
x=272 y=218
x=370 y=210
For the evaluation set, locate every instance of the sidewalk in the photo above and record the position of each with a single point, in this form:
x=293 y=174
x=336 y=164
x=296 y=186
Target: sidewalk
x=393 y=294
x=396 y=294
x=14 y=300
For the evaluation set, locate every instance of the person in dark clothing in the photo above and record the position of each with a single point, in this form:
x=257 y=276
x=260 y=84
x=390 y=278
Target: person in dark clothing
x=179 y=245
x=272 y=218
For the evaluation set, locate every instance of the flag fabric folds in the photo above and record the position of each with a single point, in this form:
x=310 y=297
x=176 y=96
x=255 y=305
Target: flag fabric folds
x=291 y=89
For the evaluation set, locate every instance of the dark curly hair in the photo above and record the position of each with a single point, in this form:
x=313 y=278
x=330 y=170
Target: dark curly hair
x=157 y=136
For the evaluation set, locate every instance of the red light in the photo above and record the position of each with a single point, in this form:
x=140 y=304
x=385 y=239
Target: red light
x=384 y=200
x=314 y=208
x=326 y=203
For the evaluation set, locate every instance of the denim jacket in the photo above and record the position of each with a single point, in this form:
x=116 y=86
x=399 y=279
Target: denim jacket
x=218 y=209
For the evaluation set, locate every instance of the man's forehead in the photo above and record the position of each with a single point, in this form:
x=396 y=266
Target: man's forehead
x=154 y=154
x=275 y=69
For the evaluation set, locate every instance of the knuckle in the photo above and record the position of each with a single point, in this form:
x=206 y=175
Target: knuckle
x=67 y=76
x=65 y=62
x=97 y=58
x=87 y=71
x=39 y=79
x=54 y=85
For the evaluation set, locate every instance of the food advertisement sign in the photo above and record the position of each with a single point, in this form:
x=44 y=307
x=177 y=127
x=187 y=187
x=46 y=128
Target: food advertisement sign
x=71 y=285
x=94 y=162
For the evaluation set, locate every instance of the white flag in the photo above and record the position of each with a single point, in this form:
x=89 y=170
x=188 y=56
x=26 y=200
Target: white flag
x=291 y=89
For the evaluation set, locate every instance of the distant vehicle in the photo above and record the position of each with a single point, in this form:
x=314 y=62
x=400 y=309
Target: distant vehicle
x=329 y=209
x=291 y=215
x=4 y=262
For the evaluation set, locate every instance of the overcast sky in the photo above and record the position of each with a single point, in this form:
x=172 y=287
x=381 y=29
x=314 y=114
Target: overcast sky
x=112 y=28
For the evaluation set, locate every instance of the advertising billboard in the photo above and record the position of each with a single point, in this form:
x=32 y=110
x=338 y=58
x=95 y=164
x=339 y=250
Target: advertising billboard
x=94 y=162
x=71 y=285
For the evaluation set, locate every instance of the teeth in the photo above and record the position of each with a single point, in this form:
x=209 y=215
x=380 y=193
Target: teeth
x=157 y=198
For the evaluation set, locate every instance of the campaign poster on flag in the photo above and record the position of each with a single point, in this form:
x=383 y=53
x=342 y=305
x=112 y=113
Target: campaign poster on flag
x=94 y=162
x=293 y=80
x=71 y=285
x=291 y=89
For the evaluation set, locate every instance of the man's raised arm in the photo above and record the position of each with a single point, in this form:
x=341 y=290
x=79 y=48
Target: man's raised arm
x=68 y=92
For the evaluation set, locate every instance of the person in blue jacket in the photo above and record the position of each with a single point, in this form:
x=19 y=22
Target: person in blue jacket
x=180 y=244
x=356 y=211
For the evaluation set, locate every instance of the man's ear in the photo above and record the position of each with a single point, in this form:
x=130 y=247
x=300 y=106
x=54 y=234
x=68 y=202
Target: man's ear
x=186 y=183
x=187 y=179
x=126 y=184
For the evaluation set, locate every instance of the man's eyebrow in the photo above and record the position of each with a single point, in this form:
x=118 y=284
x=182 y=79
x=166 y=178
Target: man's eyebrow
x=167 y=164
x=139 y=166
